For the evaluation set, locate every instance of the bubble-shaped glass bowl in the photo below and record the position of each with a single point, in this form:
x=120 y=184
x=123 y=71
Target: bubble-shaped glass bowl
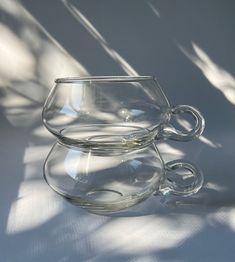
x=114 y=112
x=108 y=181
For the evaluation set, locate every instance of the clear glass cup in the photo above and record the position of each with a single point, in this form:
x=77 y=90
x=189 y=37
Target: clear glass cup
x=107 y=181
x=114 y=112
x=106 y=129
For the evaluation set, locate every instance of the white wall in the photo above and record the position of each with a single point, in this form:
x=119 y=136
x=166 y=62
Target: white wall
x=188 y=45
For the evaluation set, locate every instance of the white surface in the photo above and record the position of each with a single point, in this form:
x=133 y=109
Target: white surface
x=190 y=47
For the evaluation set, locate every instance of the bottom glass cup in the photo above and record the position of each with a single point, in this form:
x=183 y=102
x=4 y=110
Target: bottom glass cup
x=105 y=181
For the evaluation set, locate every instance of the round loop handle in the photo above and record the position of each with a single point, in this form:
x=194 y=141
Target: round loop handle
x=168 y=131
x=176 y=181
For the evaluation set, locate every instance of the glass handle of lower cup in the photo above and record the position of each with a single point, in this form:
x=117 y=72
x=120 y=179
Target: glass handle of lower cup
x=181 y=178
x=168 y=131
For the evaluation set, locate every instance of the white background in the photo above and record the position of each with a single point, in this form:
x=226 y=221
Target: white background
x=189 y=47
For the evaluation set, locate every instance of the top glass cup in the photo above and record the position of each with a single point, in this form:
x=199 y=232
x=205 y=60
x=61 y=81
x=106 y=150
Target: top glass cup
x=115 y=112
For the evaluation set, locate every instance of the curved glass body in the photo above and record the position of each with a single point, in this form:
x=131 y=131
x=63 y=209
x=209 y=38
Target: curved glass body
x=108 y=181
x=106 y=111
x=104 y=182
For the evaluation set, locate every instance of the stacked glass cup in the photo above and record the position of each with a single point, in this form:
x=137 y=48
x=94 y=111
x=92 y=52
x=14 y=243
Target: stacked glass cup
x=105 y=158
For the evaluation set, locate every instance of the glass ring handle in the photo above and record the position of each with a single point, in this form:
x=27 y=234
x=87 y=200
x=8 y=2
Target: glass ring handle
x=169 y=132
x=171 y=186
x=174 y=168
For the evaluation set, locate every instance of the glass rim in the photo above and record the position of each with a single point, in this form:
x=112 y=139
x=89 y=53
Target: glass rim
x=103 y=79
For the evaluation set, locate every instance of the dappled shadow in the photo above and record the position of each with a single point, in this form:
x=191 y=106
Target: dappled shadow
x=36 y=224
x=98 y=37
x=30 y=61
x=216 y=75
